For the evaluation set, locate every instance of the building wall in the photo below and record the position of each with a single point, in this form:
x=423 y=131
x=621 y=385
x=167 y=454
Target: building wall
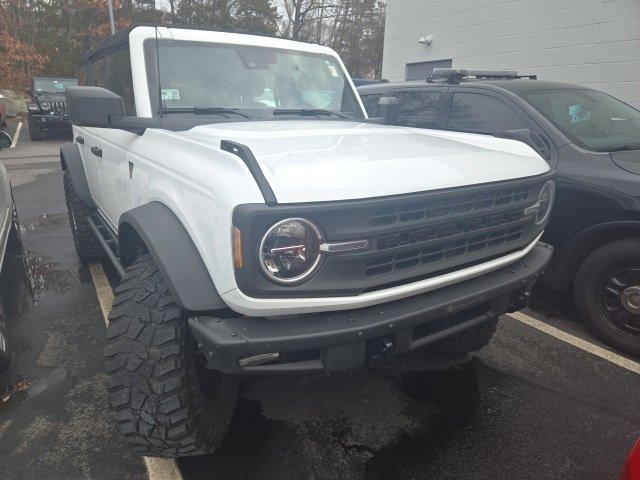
x=591 y=42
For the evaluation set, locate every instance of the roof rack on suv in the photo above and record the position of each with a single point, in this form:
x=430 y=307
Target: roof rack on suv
x=453 y=75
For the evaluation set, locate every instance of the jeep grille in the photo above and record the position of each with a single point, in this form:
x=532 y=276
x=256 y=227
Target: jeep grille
x=59 y=107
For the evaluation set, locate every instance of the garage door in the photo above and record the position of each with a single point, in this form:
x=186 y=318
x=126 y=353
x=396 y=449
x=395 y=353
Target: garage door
x=419 y=71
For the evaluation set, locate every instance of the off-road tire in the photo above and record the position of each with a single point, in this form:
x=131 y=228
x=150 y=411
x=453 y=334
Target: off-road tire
x=164 y=402
x=463 y=343
x=87 y=246
x=586 y=286
x=35 y=132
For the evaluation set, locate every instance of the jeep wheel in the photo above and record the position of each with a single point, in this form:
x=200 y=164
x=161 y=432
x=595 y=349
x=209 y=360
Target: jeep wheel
x=465 y=342
x=85 y=241
x=164 y=402
x=607 y=294
x=35 y=132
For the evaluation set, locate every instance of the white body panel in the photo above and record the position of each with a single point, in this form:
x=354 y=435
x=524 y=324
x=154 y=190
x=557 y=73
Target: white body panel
x=319 y=160
x=304 y=160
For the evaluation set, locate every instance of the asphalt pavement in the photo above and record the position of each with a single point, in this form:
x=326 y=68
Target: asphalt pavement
x=529 y=406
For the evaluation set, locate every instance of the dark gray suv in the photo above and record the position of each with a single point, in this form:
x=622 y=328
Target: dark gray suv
x=592 y=140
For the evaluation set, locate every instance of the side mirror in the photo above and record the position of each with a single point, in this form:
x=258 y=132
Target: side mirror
x=93 y=106
x=101 y=108
x=5 y=140
x=388 y=110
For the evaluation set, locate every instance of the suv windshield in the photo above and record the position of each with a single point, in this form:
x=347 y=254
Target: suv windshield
x=53 y=85
x=592 y=119
x=208 y=76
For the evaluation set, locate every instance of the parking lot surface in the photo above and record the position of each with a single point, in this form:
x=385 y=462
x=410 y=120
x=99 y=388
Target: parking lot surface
x=529 y=406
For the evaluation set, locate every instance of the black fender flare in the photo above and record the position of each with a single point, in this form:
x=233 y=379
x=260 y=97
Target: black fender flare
x=174 y=252
x=71 y=160
x=592 y=237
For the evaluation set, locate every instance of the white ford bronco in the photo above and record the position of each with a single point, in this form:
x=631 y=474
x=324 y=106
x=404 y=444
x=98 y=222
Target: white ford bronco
x=263 y=225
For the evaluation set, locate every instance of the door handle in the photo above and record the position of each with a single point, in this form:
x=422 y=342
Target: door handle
x=80 y=140
x=96 y=151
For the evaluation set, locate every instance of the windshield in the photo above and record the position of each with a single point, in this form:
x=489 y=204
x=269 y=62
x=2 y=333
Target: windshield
x=209 y=75
x=53 y=85
x=592 y=119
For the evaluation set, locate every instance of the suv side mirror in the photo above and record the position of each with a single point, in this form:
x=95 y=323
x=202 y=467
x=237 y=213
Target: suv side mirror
x=93 y=106
x=5 y=140
x=101 y=108
x=388 y=109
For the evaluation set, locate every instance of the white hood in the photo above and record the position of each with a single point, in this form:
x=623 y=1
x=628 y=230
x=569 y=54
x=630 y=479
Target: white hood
x=316 y=161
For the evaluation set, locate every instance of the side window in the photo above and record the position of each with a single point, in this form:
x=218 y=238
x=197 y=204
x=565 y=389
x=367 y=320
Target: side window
x=370 y=103
x=113 y=72
x=478 y=113
x=419 y=109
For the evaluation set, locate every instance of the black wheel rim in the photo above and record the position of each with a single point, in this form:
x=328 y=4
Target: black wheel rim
x=610 y=303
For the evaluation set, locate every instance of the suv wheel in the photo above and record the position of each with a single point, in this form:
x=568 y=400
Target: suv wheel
x=607 y=294
x=85 y=241
x=35 y=132
x=164 y=402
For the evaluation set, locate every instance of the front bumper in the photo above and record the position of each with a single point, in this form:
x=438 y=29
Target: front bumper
x=52 y=122
x=352 y=339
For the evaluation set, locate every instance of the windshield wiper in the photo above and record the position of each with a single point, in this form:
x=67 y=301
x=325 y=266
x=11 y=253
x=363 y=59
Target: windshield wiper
x=204 y=111
x=317 y=112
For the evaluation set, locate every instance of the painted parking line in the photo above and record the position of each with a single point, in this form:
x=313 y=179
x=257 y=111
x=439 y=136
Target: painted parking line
x=17 y=134
x=157 y=468
x=577 y=342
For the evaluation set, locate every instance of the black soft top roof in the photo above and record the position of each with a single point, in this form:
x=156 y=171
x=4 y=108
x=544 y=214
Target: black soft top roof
x=110 y=44
x=120 y=39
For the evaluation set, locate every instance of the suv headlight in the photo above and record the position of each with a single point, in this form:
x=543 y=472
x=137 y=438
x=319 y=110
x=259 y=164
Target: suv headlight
x=45 y=106
x=545 y=201
x=289 y=250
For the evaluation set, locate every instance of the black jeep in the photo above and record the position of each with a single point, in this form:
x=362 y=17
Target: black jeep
x=47 y=108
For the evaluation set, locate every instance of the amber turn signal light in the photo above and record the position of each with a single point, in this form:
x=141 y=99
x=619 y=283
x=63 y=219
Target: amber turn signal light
x=237 y=247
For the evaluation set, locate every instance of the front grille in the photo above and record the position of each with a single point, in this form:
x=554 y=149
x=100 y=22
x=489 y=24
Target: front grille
x=444 y=207
x=58 y=107
x=442 y=251
x=411 y=237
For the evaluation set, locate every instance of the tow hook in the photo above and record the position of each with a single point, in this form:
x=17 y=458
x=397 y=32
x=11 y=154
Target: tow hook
x=381 y=349
x=518 y=300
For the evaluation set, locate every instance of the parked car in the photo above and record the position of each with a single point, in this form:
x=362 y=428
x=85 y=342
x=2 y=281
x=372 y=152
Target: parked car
x=3 y=114
x=593 y=141
x=47 y=111
x=286 y=236
x=10 y=242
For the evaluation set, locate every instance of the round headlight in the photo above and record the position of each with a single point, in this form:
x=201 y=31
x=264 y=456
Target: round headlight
x=45 y=105
x=545 y=201
x=289 y=251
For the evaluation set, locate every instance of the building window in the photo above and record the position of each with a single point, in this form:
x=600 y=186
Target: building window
x=420 y=70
